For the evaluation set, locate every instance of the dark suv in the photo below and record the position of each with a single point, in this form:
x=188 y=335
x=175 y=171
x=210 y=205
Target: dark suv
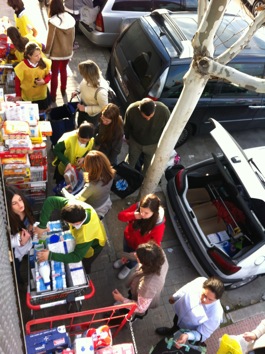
x=152 y=55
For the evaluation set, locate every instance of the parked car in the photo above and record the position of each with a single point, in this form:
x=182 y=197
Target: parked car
x=115 y=14
x=253 y=6
x=217 y=208
x=152 y=55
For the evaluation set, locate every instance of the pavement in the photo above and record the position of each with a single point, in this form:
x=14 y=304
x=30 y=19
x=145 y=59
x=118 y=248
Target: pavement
x=244 y=308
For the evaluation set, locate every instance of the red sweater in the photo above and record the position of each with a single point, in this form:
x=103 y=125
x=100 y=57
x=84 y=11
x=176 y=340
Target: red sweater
x=133 y=237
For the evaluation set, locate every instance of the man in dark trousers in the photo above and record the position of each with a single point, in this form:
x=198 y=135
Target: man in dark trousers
x=145 y=121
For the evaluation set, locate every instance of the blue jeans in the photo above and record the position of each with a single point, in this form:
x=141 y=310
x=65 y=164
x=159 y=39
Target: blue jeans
x=126 y=248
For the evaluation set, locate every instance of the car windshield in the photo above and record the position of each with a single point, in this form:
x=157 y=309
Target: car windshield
x=229 y=31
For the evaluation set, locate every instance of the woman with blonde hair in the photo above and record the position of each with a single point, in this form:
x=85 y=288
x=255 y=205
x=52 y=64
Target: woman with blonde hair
x=93 y=92
x=109 y=133
x=98 y=177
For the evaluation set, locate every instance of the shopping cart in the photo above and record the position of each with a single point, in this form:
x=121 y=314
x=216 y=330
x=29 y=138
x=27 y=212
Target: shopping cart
x=79 y=322
x=70 y=295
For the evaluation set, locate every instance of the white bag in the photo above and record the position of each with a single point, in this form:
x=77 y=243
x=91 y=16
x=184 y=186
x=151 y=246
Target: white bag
x=88 y=14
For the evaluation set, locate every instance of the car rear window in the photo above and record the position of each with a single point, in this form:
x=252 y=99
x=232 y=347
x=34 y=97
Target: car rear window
x=177 y=5
x=132 y=5
x=141 y=55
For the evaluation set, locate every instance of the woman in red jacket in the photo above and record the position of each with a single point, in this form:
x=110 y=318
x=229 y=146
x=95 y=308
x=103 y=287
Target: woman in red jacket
x=146 y=221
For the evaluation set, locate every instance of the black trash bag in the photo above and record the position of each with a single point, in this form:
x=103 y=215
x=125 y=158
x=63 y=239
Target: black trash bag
x=127 y=180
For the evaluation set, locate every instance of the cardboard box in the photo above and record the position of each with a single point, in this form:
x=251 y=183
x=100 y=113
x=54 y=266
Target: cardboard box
x=47 y=341
x=66 y=246
x=125 y=348
x=84 y=346
x=218 y=237
x=75 y=274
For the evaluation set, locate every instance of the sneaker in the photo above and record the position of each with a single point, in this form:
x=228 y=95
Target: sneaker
x=124 y=273
x=118 y=264
x=75 y=46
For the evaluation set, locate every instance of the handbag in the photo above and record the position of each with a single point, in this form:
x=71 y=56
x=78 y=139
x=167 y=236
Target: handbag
x=112 y=98
x=167 y=346
x=126 y=180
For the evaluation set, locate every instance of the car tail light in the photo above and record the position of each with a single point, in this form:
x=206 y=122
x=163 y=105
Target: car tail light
x=179 y=180
x=223 y=263
x=99 y=23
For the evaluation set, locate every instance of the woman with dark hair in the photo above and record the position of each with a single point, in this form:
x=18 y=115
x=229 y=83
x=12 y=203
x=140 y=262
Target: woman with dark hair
x=71 y=149
x=32 y=76
x=109 y=133
x=22 y=21
x=20 y=42
x=147 y=280
x=21 y=222
x=146 y=221
x=98 y=178
x=93 y=92
x=59 y=45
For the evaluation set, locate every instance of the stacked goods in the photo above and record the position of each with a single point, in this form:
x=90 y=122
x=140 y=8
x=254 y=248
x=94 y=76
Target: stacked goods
x=22 y=151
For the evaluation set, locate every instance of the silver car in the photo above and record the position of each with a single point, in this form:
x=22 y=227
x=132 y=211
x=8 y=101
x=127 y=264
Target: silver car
x=116 y=14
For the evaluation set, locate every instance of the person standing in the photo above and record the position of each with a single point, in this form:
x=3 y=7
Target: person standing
x=255 y=345
x=71 y=149
x=32 y=76
x=59 y=45
x=21 y=222
x=20 y=42
x=85 y=226
x=22 y=22
x=109 y=133
x=93 y=91
x=145 y=121
x=147 y=279
x=145 y=222
x=98 y=178
x=197 y=310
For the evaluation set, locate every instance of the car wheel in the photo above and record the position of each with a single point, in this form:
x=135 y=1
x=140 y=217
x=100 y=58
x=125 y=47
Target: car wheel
x=255 y=5
x=242 y=282
x=185 y=135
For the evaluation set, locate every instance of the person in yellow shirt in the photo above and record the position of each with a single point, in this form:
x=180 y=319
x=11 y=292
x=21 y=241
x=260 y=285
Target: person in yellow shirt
x=22 y=21
x=72 y=148
x=85 y=226
x=32 y=76
x=20 y=42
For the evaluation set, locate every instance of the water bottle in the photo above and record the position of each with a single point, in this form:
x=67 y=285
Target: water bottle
x=45 y=271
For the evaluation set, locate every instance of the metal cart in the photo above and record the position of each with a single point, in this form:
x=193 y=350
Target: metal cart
x=77 y=323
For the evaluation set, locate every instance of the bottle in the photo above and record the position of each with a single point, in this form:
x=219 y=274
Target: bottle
x=45 y=271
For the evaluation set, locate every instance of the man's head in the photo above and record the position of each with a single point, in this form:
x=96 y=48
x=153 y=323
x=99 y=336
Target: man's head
x=73 y=214
x=147 y=108
x=212 y=290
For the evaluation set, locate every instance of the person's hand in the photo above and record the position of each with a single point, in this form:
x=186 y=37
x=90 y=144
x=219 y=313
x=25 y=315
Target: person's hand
x=43 y=256
x=68 y=167
x=249 y=336
x=117 y=295
x=81 y=107
x=39 y=232
x=14 y=98
x=137 y=215
x=171 y=300
x=39 y=82
x=80 y=161
x=24 y=237
x=181 y=340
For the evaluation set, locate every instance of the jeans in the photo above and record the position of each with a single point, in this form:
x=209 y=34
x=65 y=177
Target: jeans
x=126 y=248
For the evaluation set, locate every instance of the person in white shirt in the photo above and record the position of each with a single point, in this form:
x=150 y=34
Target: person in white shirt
x=197 y=310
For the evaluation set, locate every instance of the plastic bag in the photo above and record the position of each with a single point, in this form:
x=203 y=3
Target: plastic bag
x=229 y=345
x=88 y=14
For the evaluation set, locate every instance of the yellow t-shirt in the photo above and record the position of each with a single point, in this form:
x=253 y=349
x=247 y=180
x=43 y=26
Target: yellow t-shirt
x=23 y=24
x=27 y=75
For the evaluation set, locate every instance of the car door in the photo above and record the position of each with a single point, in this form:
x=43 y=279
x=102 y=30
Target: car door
x=237 y=108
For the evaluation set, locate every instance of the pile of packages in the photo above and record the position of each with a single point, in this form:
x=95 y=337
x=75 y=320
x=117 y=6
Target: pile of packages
x=51 y=275
x=23 y=151
x=93 y=341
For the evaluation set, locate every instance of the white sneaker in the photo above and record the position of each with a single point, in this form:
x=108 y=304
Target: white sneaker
x=124 y=273
x=118 y=264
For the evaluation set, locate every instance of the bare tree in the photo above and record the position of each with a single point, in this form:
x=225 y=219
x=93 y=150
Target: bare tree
x=202 y=67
